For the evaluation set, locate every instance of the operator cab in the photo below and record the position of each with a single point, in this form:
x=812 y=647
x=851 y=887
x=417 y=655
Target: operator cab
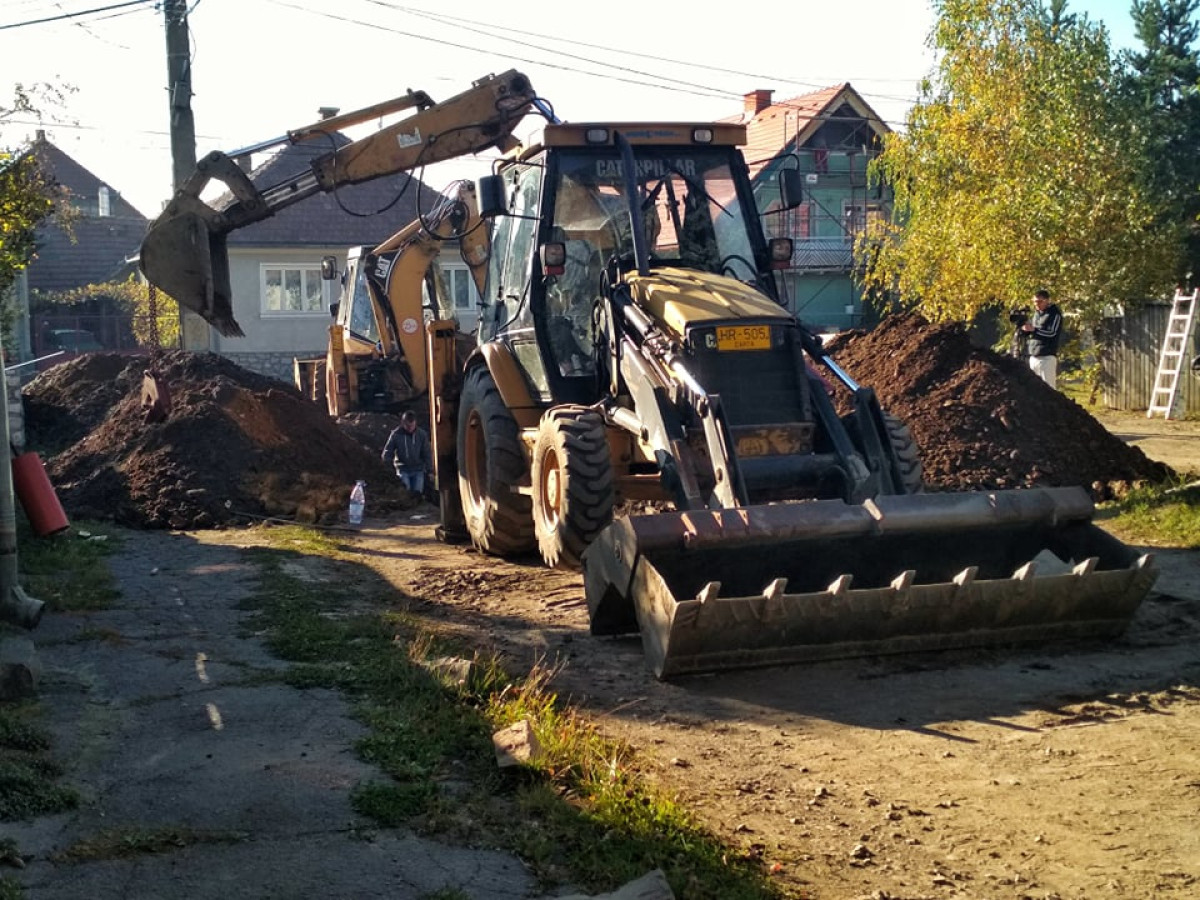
x=570 y=224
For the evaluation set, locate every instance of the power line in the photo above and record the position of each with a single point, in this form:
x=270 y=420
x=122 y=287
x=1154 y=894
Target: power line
x=376 y=27
x=467 y=23
x=75 y=15
x=684 y=87
x=75 y=126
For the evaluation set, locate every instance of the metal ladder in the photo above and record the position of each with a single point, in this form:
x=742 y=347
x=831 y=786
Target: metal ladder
x=1170 y=361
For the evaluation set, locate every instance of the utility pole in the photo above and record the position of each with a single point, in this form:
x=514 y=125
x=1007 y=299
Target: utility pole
x=194 y=332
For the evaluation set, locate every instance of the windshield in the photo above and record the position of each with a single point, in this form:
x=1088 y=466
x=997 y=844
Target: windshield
x=360 y=317
x=689 y=203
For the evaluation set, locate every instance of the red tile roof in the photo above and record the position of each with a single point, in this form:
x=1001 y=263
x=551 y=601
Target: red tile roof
x=777 y=126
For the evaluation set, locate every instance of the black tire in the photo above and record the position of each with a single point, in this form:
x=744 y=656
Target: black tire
x=572 y=484
x=490 y=466
x=905 y=454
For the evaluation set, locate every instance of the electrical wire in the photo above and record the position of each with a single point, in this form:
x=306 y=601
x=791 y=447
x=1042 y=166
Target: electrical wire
x=468 y=23
x=75 y=15
x=682 y=87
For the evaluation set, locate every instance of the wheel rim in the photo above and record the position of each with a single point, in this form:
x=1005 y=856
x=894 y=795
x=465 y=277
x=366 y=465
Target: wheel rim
x=550 y=490
x=475 y=460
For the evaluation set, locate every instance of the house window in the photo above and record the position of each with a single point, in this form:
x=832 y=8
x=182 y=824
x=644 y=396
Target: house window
x=795 y=223
x=801 y=221
x=291 y=289
x=462 y=288
x=856 y=216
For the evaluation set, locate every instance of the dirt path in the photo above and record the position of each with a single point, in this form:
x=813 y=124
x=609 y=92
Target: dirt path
x=1066 y=771
x=1061 y=772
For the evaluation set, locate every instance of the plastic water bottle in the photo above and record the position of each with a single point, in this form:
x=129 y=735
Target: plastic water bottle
x=358 y=501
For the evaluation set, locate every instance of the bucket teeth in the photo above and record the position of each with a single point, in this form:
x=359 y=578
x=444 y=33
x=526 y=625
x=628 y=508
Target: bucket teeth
x=840 y=585
x=775 y=589
x=1030 y=567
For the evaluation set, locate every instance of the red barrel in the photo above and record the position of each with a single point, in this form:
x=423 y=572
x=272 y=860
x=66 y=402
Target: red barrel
x=37 y=495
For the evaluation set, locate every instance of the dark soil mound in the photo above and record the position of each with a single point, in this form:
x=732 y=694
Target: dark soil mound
x=982 y=420
x=236 y=445
x=239 y=445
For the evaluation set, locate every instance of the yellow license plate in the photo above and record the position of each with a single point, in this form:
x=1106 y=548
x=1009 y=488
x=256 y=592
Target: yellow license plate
x=743 y=337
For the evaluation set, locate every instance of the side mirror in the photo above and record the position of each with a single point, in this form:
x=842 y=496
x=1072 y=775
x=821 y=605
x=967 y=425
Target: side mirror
x=333 y=310
x=781 y=249
x=329 y=270
x=554 y=258
x=491 y=196
x=791 y=191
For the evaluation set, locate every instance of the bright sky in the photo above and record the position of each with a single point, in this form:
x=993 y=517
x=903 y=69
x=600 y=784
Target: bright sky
x=262 y=67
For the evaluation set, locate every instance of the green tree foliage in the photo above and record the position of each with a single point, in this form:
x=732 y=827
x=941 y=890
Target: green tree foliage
x=1017 y=170
x=155 y=316
x=26 y=197
x=1160 y=82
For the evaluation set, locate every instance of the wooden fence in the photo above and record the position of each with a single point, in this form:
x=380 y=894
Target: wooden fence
x=1128 y=353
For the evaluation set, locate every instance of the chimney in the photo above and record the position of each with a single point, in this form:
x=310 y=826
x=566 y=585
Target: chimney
x=756 y=102
x=328 y=112
x=41 y=135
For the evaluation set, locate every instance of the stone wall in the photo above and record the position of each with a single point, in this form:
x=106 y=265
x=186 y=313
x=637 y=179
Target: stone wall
x=277 y=365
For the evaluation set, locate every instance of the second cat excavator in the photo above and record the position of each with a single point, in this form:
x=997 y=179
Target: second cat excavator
x=375 y=358
x=635 y=352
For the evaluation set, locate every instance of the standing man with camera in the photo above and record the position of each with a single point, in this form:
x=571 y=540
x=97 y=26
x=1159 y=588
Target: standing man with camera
x=1044 y=330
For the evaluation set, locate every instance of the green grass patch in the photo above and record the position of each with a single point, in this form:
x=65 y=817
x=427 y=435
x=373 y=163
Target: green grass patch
x=121 y=843
x=592 y=805
x=1157 y=515
x=29 y=777
x=580 y=814
x=443 y=894
x=11 y=889
x=67 y=571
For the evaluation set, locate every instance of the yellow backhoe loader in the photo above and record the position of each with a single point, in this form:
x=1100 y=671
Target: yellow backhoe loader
x=375 y=361
x=633 y=347
x=634 y=351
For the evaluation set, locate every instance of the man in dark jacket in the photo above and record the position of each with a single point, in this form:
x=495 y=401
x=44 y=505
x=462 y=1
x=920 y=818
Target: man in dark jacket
x=409 y=451
x=1044 y=330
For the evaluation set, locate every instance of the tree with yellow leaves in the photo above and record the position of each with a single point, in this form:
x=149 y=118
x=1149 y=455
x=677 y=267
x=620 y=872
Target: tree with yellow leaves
x=1018 y=170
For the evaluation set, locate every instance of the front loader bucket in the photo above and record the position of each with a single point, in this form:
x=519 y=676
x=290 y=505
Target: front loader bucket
x=184 y=256
x=763 y=585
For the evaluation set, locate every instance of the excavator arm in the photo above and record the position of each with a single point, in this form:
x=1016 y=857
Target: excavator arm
x=395 y=271
x=184 y=252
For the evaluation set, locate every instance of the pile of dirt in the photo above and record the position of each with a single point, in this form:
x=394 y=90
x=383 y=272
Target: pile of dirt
x=982 y=420
x=240 y=445
x=236 y=446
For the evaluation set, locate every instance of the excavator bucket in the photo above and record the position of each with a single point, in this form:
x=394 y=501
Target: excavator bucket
x=183 y=255
x=794 y=582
